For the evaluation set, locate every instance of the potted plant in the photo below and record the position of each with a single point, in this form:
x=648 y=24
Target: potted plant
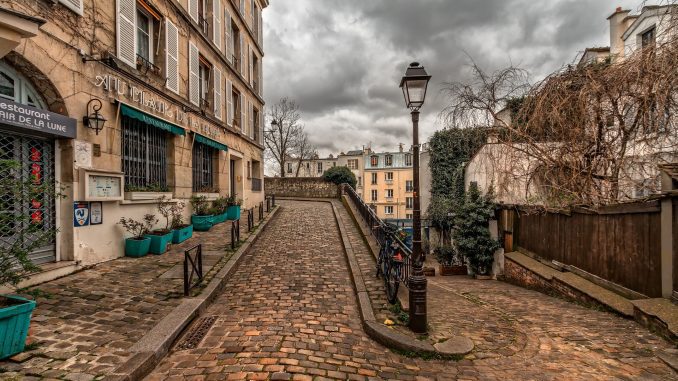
x=234 y=208
x=451 y=262
x=162 y=238
x=21 y=234
x=472 y=235
x=181 y=230
x=220 y=210
x=201 y=217
x=138 y=244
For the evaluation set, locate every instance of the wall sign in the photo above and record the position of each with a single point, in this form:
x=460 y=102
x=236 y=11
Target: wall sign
x=96 y=212
x=83 y=154
x=102 y=185
x=80 y=214
x=23 y=117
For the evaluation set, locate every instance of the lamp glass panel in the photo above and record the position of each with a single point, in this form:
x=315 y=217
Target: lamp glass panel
x=416 y=90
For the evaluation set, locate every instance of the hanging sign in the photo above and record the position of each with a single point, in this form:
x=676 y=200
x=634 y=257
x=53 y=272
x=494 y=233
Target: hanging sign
x=22 y=117
x=80 y=214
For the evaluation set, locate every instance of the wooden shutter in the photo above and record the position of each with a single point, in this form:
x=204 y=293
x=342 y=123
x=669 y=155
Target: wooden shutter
x=218 y=107
x=74 y=5
x=251 y=125
x=229 y=103
x=261 y=76
x=242 y=57
x=127 y=31
x=216 y=18
x=193 y=9
x=243 y=116
x=228 y=28
x=261 y=30
x=261 y=125
x=171 y=56
x=193 y=74
x=252 y=8
x=242 y=7
x=251 y=61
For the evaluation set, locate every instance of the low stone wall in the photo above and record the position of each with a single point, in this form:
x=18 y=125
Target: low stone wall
x=301 y=187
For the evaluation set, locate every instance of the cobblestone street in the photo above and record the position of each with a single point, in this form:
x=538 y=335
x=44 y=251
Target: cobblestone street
x=289 y=312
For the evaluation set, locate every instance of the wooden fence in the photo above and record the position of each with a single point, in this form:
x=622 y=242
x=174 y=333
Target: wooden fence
x=621 y=244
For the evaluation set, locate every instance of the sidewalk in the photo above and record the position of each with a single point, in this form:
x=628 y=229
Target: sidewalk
x=85 y=324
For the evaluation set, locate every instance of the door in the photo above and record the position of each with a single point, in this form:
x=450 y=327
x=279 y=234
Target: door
x=231 y=174
x=36 y=211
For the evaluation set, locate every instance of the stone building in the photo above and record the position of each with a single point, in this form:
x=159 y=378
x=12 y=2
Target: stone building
x=313 y=167
x=178 y=83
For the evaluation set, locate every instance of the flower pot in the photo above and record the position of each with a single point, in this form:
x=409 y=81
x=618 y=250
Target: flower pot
x=202 y=223
x=234 y=212
x=136 y=248
x=15 y=318
x=219 y=218
x=159 y=242
x=182 y=234
x=453 y=270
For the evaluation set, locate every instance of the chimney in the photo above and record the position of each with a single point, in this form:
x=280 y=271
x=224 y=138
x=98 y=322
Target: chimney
x=618 y=26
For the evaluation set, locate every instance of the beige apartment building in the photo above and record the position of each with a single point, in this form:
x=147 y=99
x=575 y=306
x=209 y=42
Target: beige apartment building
x=388 y=184
x=313 y=167
x=354 y=160
x=175 y=83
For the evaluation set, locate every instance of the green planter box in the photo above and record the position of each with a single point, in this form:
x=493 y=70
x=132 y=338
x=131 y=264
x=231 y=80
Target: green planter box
x=233 y=212
x=180 y=235
x=14 y=322
x=219 y=218
x=136 y=248
x=159 y=243
x=202 y=223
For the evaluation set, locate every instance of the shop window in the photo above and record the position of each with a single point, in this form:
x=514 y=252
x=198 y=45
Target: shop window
x=203 y=168
x=144 y=156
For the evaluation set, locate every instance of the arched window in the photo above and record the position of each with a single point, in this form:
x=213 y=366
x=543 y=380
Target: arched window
x=15 y=87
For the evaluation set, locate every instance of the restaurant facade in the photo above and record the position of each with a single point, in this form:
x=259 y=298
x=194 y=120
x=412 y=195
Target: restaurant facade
x=120 y=102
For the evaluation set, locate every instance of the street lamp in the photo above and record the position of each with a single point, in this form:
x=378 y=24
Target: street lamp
x=414 y=85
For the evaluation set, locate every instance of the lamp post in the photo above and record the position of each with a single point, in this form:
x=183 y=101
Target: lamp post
x=414 y=85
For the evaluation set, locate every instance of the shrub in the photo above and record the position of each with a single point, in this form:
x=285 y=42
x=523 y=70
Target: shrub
x=448 y=255
x=178 y=215
x=164 y=206
x=201 y=206
x=340 y=175
x=138 y=228
x=472 y=234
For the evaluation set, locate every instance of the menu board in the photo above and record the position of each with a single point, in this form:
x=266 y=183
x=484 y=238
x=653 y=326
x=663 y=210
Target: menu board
x=104 y=187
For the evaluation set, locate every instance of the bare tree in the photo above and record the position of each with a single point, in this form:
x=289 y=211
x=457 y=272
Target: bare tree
x=304 y=150
x=587 y=134
x=286 y=138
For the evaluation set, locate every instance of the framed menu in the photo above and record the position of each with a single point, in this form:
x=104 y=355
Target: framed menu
x=100 y=186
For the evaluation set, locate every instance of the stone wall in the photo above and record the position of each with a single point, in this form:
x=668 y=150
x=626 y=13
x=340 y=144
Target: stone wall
x=301 y=187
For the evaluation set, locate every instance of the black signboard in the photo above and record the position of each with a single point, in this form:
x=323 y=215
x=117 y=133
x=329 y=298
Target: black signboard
x=23 y=118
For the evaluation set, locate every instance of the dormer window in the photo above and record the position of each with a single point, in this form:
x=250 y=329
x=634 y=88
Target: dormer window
x=374 y=161
x=388 y=160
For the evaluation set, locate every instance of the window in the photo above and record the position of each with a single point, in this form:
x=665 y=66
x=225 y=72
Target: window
x=249 y=169
x=388 y=160
x=360 y=181
x=408 y=159
x=236 y=39
x=236 y=105
x=320 y=167
x=144 y=36
x=374 y=195
x=203 y=168
x=353 y=164
x=17 y=89
x=334 y=164
x=255 y=120
x=202 y=16
x=144 y=156
x=289 y=167
x=409 y=185
x=647 y=38
x=374 y=161
x=205 y=70
x=389 y=176
x=388 y=209
x=374 y=179
x=409 y=202
x=389 y=193
x=409 y=216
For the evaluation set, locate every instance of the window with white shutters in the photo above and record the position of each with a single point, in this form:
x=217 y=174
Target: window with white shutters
x=229 y=103
x=193 y=9
x=251 y=62
x=171 y=56
x=228 y=35
x=251 y=121
x=261 y=126
x=74 y=5
x=242 y=7
x=261 y=30
x=194 y=74
x=218 y=107
x=243 y=116
x=242 y=57
x=126 y=29
x=216 y=19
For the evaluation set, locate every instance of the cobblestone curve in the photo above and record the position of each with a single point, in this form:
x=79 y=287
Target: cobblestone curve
x=289 y=312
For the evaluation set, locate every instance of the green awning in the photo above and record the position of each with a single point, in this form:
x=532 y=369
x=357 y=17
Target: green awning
x=149 y=119
x=211 y=143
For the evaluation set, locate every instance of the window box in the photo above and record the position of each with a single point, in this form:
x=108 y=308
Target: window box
x=139 y=196
x=210 y=196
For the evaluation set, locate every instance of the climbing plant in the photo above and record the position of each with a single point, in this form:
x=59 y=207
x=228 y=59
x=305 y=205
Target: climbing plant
x=471 y=234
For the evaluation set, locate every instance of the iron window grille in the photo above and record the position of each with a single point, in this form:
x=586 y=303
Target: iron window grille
x=144 y=158
x=203 y=167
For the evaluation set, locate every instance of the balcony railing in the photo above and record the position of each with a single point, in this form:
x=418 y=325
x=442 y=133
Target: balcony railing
x=256 y=184
x=380 y=231
x=203 y=24
x=144 y=64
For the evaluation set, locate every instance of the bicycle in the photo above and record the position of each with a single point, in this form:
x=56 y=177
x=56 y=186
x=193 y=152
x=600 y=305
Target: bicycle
x=389 y=266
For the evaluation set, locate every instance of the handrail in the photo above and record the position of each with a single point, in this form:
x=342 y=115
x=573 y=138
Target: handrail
x=380 y=232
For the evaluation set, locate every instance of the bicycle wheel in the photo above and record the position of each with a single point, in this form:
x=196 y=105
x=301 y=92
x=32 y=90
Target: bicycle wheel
x=392 y=283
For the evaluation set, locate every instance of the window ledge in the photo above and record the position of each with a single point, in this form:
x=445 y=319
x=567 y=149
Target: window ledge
x=145 y=196
x=210 y=196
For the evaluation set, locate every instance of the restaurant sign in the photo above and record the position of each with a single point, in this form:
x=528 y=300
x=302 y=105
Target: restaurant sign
x=23 y=117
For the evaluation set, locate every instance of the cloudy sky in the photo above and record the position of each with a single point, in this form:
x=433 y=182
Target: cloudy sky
x=342 y=60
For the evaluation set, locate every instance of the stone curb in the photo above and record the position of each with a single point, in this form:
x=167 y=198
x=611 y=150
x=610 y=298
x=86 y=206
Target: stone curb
x=154 y=345
x=374 y=329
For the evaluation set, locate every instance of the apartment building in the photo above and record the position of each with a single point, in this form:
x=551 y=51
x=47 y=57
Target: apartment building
x=388 y=183
x=354 y=160
x=313 y=167
x=123 y=101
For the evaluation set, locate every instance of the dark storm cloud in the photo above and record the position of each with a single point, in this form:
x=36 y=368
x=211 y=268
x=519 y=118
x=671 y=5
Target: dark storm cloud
x=342 y=60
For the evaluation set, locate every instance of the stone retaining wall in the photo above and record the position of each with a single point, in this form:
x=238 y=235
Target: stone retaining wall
x=301 y=187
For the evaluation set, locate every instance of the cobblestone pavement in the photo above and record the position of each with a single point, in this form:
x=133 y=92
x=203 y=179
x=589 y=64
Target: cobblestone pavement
x=289 y=312
x=83 y=329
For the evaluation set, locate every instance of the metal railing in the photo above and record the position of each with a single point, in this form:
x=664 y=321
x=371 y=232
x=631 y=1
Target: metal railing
x=379 y=230
x=250 y=219
x=235 y=234
x=192 y=257
x=204 y=24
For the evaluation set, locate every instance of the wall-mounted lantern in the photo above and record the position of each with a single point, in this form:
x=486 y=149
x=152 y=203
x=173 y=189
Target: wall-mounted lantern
x=94 y=120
